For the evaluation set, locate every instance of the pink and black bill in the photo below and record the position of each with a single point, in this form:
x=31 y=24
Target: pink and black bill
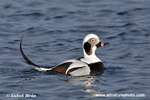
x=100 y=44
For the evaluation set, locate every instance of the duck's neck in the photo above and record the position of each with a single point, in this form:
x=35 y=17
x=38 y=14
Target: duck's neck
x=90 y=58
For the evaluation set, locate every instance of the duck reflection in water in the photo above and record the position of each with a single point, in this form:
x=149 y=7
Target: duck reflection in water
x=88 y=83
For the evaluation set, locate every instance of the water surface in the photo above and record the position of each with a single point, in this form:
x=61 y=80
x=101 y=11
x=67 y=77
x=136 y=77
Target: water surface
x=53 y=32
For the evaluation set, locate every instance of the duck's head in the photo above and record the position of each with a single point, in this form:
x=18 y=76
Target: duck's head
x=90 y=43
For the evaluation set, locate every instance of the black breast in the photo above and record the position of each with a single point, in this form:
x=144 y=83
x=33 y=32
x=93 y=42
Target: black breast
x=96 y=68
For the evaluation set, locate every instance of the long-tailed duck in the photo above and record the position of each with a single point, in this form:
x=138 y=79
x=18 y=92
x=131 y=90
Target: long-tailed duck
x=88 y=65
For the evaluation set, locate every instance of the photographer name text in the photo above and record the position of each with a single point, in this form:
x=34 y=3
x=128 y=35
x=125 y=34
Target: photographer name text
x=21 y=95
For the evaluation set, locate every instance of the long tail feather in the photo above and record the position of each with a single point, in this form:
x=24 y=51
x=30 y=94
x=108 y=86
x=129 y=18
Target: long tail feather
x=26 y=60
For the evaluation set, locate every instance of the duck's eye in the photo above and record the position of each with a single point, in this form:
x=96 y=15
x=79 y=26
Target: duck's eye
x=92 y=40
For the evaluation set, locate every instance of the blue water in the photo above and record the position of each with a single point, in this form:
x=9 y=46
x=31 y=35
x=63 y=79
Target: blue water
x=53 y=32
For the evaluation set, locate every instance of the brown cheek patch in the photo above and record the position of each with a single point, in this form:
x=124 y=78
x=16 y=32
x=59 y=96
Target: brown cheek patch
x=87 y=48
x=90 y=52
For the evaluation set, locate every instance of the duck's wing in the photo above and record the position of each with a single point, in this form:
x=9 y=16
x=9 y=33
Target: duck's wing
x=73 y=68
x=79 y=71
x=62 y=68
